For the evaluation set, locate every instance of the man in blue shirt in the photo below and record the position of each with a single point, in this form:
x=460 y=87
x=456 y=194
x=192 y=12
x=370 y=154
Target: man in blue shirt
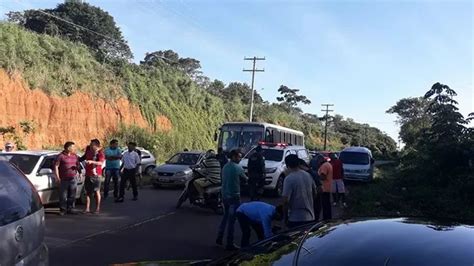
x=113 y=155
x=257 y=215
x=232 y=173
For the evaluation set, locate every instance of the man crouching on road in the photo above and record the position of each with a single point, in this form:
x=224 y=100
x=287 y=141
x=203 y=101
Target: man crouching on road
x=257 y=215
x=94 y=159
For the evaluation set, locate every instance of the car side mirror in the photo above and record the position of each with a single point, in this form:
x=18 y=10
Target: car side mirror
x=372 y=161
x=45 y=171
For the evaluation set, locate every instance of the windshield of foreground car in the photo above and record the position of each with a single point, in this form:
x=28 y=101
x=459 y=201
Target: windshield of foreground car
x=184 y=159
x=269 y=154
x=25 y=162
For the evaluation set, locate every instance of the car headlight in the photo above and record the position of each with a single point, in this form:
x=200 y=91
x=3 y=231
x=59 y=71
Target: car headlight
x=271 y=170
x=182 y=173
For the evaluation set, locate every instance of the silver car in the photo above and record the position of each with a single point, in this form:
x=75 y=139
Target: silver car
x=38 y=168
x=21 y=220
x=177 y=170
x=148 y=161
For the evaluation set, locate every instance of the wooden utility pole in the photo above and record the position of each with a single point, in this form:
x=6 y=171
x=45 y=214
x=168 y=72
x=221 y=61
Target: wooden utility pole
x=253 y=70
x=326 y=123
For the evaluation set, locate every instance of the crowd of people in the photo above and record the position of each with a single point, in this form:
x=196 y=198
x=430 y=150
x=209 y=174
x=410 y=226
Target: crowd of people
x=306 y=193
x=124 y=166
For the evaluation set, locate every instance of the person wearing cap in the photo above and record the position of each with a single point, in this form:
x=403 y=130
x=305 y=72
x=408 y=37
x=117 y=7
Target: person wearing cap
x=130 y=165
x=94 y=158
x=210 y=170
x=299 y=191
x=9 y=147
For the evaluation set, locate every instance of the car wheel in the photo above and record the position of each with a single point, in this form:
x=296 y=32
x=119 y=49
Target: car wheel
x=149 y=169
x=279 y=186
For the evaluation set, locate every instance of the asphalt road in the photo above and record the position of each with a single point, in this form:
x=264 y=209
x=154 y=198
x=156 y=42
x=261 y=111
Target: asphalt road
x=148 y=229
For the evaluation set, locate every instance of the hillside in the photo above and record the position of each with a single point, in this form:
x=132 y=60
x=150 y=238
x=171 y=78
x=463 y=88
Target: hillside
x=66 y=89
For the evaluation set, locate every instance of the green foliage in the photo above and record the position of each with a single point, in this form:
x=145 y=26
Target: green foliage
x=97 y=29
x=27 y=126
x=435 y=177
x=56 y=66
x=412 y=117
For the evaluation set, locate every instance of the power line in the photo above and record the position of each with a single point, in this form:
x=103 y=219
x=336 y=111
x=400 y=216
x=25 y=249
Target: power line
x=253 y=70
x=326 y=123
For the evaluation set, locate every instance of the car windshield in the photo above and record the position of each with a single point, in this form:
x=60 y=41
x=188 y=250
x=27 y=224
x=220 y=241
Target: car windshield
x=25 y=162
x=355 y=158
x=269 y=154
x=184 y=159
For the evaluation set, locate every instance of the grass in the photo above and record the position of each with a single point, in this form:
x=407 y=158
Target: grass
x=393 y=194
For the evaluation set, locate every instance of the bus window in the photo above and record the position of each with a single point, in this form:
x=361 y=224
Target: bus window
x=269 y=135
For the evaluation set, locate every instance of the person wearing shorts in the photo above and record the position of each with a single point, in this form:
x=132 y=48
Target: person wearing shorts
x=338 y=188
x=94 y=159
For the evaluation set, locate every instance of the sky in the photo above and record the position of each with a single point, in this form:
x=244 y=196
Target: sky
x=361 y=56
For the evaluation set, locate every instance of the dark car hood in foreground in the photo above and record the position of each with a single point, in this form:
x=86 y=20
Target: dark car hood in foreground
x=401 y=241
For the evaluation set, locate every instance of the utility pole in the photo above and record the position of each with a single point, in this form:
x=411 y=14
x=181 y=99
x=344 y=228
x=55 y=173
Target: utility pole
x=253 y=70
x=326 y=123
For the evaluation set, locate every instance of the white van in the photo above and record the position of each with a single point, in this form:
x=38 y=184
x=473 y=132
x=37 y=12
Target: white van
x=358 y=164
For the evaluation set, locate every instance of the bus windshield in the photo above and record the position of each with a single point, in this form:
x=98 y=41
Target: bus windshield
x=243 y=137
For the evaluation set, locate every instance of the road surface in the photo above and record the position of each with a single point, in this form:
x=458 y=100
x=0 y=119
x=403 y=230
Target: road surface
x=147 y=229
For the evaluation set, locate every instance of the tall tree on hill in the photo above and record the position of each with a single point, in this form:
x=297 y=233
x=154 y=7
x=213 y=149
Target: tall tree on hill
x=190 y=66
x=290 y=98
x=78 y=22
x=444 y=147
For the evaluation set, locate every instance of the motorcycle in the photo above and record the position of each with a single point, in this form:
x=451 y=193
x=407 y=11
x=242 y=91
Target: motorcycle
x=212 y=195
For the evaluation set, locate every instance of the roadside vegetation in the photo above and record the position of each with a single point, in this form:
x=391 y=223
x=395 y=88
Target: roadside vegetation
x=435 y=177
x=61 y=58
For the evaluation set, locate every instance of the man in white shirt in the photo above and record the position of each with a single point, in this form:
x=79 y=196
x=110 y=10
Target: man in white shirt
x=130 y=164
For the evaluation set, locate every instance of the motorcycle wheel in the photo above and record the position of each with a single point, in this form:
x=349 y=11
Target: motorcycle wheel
x=182 y=199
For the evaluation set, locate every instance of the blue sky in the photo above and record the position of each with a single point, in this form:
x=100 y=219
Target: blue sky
x=361 y=56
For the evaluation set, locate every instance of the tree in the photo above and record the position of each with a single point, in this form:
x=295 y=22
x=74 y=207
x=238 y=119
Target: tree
x=78 y=22
x=168 y=57
x=216 y=88
x=413 y=118
x=291 y=99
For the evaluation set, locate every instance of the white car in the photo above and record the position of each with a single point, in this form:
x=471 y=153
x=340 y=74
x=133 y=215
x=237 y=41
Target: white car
x=275 y=166
x=38 y=168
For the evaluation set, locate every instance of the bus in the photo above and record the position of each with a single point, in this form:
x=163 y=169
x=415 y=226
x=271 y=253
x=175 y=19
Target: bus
x=245 y=135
